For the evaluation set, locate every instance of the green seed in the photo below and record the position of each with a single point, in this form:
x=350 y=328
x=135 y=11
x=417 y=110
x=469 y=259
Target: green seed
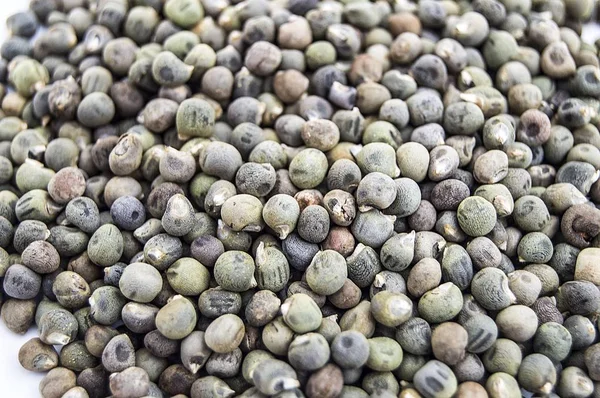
x=177 y=319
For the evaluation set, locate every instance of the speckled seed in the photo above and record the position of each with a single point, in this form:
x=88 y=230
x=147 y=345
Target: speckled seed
x=195 y=118
x=21 y=282
x=177 y=166
x=57 y=327
x=256 y=179
x=530 y=213
x=313 y=224
x=67 y=184
x=140 y=282
x=577 y=296
x=476 y=216
x=71 y=290
x=375 y=190
x=234 y=270
x=525 y=285
x=41 y=257
x=350 y=349
x=262 y=308
x=535 y=247
x=490 y=289
x=119 y=354
x=83 y=213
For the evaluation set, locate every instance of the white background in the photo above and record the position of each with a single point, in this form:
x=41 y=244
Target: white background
x=16 y=382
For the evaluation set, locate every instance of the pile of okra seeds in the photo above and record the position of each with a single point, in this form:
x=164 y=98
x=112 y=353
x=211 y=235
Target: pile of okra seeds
x=302 y=198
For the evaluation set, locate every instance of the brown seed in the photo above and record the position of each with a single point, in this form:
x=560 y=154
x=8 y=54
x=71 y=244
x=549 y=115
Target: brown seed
x=37 y=356
x=309 y=197
x=424 y=276
x=534 y=128
x=18 y=315
x=95 y=381
x=546 y=311
x=177 y=380
x=67 y=184
x=289 y=85
x=365 y=68
x=347 y=297
x=57 y=382
x=587 y=267
x=131 y=382
x=295 y=34
x=41 y=257
x=83 y=266
x=404 y=22
x=325 y=383
x=97 y=337
x=341 y=240
x=262 y=308
x=446 y=349
x=470 y=389
x=580 y=225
